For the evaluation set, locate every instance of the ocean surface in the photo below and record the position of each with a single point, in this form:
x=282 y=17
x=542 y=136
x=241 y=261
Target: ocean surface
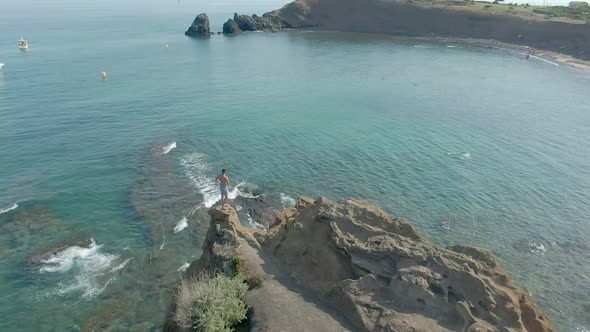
x=114 y=177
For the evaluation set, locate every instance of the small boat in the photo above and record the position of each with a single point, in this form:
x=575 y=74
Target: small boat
x=1 y=65
x=23 y=44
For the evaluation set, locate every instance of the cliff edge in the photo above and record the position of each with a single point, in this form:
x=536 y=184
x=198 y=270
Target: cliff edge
x=348 y=266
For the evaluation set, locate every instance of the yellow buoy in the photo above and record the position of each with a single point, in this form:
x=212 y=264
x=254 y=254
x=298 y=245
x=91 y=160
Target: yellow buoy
x=103 y=75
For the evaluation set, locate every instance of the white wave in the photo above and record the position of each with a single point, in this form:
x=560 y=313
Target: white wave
x=466 y=156
x=169 y=147
x=254 y=224
x=14 y=206
x=1 y=65
x=183 y=267
x=197 y=170
x=182 y=224
x=451 y=46
x=537 y=248
x=287 y=201
x=420 y=46
x=163 y=243
x=83 y=269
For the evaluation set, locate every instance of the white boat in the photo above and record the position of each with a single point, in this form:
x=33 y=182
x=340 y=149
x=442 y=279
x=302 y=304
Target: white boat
x=23 y=44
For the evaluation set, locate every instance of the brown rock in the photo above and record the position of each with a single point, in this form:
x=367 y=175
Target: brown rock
x=374 y=269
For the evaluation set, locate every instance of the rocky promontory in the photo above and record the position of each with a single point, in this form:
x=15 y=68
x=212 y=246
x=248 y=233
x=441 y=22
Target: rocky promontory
x=348 y=266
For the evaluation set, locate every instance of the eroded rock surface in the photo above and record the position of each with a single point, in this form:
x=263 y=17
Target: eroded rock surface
x=373 y=269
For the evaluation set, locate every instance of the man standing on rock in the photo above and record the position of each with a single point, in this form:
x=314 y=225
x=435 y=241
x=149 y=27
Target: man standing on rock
x=224 y=183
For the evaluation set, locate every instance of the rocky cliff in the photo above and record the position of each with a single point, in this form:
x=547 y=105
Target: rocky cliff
x=348 y=266
x=449 y=19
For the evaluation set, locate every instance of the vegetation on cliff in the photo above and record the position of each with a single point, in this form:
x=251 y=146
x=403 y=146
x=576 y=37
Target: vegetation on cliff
x=211 y=303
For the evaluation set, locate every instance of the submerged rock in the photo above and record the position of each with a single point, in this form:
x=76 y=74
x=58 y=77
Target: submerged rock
x=373 y=269
x=200 y=26
x=59 y=247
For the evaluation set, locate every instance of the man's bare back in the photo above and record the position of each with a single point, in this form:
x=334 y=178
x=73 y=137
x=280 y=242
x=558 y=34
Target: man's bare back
x=224 y=182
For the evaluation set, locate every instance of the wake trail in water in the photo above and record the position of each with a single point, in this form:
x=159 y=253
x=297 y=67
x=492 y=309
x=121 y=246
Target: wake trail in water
x=83 y=269
x=169 y=147
x=14 y=206
x=542 y=59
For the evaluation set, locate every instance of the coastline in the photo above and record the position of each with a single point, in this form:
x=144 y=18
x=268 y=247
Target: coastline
x=559 y=58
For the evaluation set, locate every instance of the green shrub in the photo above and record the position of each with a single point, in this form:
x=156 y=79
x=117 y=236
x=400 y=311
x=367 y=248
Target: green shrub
x=237 y=264
x=487 y=6
x=211 y=304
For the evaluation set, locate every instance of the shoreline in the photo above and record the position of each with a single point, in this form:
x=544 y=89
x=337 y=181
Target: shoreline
x=544 y=55
x=559 y=58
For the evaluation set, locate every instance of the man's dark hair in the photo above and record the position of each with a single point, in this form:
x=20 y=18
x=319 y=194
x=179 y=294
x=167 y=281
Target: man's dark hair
x=223 y=171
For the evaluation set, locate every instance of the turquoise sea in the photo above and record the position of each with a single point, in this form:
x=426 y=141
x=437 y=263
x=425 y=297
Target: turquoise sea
x=294 y=113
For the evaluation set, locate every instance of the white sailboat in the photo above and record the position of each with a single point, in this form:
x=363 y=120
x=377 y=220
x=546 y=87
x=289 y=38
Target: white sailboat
x=23 y=44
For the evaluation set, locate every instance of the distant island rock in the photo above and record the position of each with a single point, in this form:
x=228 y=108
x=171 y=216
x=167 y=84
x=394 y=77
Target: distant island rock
x=564 y=30
x=349 y=266
x=200 y=26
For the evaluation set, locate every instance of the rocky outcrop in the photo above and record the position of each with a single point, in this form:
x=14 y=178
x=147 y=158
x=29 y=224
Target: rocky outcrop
x=428 y=19
x=230 y=27
x=200 y=26
x=373 y=269
x=268 y=22
x=44 y=254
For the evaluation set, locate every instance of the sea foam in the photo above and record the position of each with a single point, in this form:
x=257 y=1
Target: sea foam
x=14 y=206
x=183 y=267
x=169 y=147
x=287 y=201
x=197 y=170
x=182 y=224
x=83 y=269
x=254 y=224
